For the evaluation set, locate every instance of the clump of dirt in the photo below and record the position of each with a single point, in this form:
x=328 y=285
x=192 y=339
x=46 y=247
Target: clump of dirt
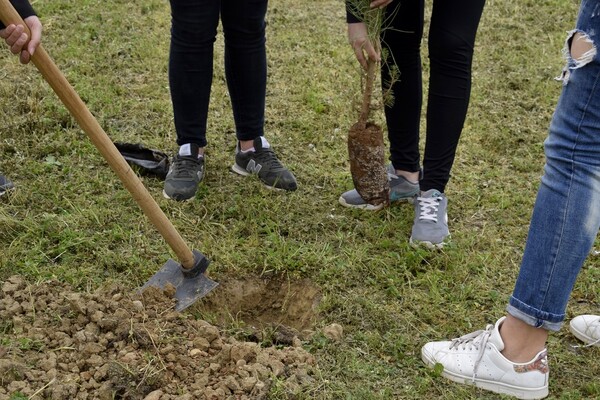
x=367 y=163
x=56 y=343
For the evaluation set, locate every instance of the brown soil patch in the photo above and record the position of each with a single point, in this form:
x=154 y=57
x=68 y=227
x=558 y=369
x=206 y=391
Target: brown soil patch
x=265 y=304
x=366 y=151
x=56 y=343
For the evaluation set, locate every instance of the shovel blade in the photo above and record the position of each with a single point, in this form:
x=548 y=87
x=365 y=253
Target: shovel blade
x=189 y=287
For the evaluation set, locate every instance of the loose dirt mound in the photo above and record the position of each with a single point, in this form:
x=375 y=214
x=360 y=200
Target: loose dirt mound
x=56 y=343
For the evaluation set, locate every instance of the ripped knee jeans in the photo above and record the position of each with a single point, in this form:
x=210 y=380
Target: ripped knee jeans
x=566 y=216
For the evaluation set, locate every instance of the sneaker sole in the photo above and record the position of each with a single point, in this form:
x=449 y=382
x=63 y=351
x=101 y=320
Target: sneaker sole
x=366 y=206
x=240 y=171
x=583 y=337
x=430 y=246
x=517 y=391
x=166 y=196
x=4 y=191
x=371 y=207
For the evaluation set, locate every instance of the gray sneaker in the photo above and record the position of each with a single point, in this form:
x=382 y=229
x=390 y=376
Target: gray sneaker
x=430 y=227
x=5 y=184
x=400 y=189
x=185 y=174
x=264 y=163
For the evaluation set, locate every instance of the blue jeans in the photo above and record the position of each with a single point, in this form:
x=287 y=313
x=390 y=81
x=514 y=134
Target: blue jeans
x=566 y=216
x=193 y=33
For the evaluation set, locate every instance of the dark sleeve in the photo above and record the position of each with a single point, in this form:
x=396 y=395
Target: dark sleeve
x=23 y=8
x=351 y=17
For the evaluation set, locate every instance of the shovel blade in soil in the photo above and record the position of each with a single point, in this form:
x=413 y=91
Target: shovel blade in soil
x=189 y=284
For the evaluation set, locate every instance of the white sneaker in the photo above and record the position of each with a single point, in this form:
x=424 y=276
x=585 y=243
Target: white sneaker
x=476 y=359
x=587 y=329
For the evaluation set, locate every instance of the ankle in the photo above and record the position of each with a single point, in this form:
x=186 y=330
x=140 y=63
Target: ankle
x=412 y=177
x=189 y=149
x=522 y=342
x=246 y=145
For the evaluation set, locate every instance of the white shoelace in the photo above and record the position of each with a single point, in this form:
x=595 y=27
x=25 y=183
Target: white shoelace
x=429 y=208
x=477 y=340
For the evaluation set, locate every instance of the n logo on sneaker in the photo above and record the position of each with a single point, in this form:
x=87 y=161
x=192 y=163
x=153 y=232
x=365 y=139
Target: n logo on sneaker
x=253 y=167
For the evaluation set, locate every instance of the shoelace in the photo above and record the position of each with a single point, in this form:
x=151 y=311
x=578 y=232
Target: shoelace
x=268 y=159
x=478 y=340
x=429 y=208
x=185 y=167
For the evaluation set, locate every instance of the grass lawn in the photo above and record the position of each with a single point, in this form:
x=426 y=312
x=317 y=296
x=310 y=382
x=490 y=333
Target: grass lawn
x=71 y=218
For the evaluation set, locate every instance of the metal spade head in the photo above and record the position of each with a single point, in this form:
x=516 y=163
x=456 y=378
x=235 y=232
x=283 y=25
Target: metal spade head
x=190 y=284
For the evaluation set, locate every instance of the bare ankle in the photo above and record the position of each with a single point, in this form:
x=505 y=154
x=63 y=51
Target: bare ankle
x=246 y=145
x=522 y=342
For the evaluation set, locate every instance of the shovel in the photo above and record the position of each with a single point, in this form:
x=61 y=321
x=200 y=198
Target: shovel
x=187 y=276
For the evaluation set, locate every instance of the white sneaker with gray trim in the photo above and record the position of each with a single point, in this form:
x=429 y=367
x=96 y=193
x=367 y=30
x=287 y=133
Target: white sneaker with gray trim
x=587 y=329
x=476 y=359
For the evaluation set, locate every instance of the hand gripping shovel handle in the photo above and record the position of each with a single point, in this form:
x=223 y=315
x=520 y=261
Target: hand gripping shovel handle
x=90 y=125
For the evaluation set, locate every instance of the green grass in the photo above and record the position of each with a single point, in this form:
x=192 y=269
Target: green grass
x=72 y=219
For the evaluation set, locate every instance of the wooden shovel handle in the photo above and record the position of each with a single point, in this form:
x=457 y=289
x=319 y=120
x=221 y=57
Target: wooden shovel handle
x=85 y=119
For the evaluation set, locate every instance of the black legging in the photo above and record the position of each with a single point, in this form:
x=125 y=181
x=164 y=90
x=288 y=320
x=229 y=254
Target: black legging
x=451 y=40
x=193 y=33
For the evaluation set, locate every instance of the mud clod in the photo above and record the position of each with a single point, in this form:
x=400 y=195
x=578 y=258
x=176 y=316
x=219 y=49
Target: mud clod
x=113 y=344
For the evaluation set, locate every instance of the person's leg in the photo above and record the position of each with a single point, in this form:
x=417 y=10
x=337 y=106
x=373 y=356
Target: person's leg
x=246 y=64
x=566 y=217
x=246 y=72
x=564 y=225
x=402 y=41
x=193 y=31
x=451 y=41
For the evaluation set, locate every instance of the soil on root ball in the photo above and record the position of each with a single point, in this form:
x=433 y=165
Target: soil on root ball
x=57 y=343
x=367 y=163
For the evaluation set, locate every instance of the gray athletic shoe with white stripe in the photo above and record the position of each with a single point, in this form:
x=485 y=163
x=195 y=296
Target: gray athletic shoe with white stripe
x=264 y=163
x=430 y=226
x=400 y=189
